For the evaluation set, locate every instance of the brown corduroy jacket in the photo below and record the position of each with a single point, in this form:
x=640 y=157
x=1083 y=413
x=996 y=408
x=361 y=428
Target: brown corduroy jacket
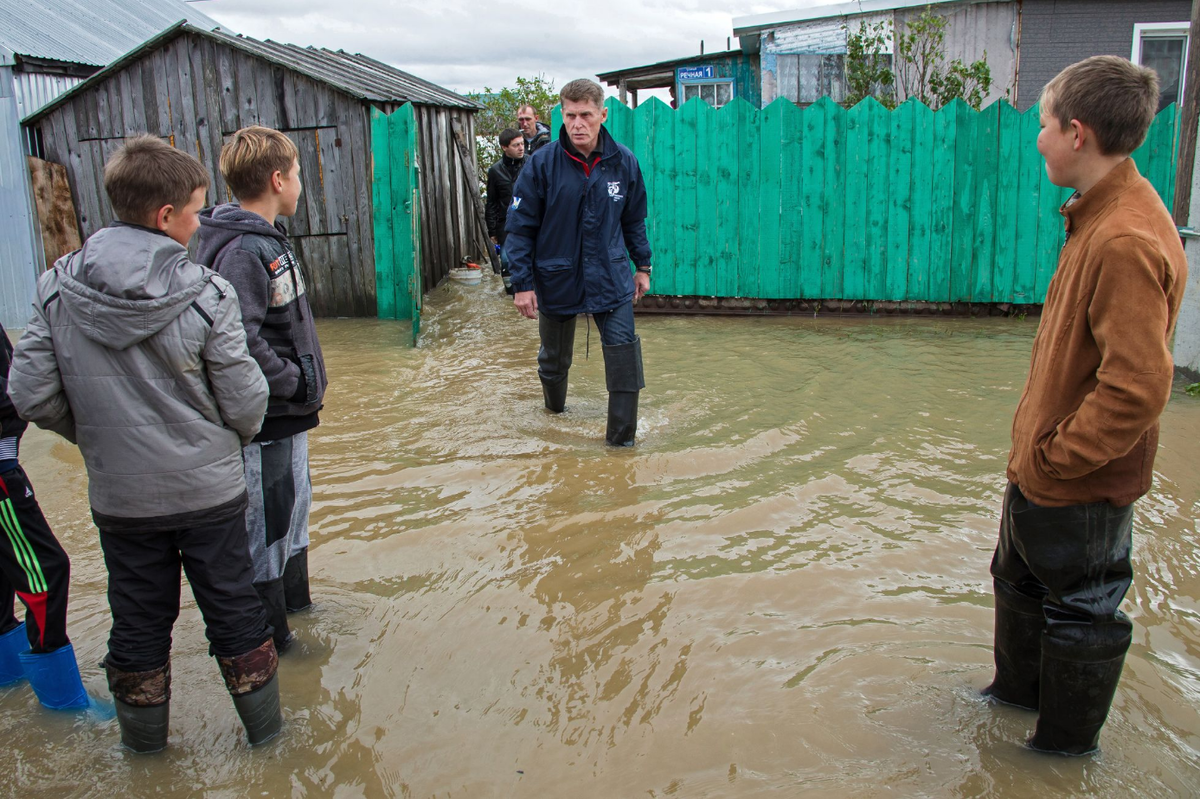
x=1086 y=428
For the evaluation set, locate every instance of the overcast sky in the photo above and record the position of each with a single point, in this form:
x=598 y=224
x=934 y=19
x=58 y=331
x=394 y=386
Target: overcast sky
x=466 y=45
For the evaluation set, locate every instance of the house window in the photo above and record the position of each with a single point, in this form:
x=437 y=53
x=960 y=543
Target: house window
x=715 y=93
x=1163 y=47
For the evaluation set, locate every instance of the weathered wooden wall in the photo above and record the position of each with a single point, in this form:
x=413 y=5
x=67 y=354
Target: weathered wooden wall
x=195 y=92
x=55 y=211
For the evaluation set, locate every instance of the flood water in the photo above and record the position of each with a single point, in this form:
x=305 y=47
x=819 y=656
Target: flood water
x=782 y=589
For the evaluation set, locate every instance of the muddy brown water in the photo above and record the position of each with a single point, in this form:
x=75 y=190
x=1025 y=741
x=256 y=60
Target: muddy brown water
x=783 y=588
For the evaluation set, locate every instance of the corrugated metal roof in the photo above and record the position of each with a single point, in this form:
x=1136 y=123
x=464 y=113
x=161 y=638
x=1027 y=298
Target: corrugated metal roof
x=356 y=75
x=92 y=32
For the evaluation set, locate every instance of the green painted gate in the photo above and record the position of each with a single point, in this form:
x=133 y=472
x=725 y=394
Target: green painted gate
x=395 y=190
x=866 y=204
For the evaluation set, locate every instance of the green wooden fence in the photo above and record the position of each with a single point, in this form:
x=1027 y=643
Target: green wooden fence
x=397 y=208
x=859 y=204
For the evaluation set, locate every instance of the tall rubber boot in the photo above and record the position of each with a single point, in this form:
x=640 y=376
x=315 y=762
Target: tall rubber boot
x=295 y=583
x=12 y=644
x=54 y=677
x=1017 y=648
x=253 y=683
x=274 y=602
x=143 y=702
x=554 y=360
x=623 y=373
x=1078 y=681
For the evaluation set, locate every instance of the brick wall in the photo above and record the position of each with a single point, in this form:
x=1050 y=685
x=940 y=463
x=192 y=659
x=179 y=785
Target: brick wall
x=1057 y=33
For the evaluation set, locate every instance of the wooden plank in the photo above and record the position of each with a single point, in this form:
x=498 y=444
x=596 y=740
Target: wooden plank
x=384 y=218
x=879 y=194
x=287 y=108
x=313 y=198
x=791 y=216
x=101 y=124
x=83 y=173
x=965 y=165
x=359 y=146
x=245 y=67
x=834 y=198
x=57 y=223
x=748 y=201
x=407 y=283
x=854 y=274
x=1029 y=180
x=339 y=265
x=899 y=202
x=667 y=262
x=769 y=267
x=116 y=122
x=206 y=90
x=986 y=168
x=1008 y=177
x=149 y=97
x=813 y=204
x=342 y=202
x=227 y=78
x=687 y=190
x=324 y=105
x=708 y=139
x=187 y=136
x=424 y=165
x=941 y=250
x=173 y=81
x=130 y=106
x=89 y=116
x=921 y=202
x=732 y=121
x=269 y=92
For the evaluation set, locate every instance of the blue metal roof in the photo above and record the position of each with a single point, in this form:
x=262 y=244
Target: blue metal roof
x=92 y=32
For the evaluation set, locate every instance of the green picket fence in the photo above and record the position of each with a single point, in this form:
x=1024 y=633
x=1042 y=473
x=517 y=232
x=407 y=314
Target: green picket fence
x=396 y=201
x=859 y=204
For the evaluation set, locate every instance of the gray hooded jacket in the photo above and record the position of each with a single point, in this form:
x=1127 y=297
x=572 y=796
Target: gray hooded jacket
x=139 y=356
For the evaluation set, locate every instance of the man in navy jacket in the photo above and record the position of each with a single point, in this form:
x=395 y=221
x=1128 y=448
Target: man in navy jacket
x=578 y=216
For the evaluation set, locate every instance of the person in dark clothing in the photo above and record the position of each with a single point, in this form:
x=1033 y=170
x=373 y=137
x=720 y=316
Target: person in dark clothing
x=34 y=567
x=500 y=179
x=578 y=216
x=138 y=354
x=537 y=134
x=245 y=245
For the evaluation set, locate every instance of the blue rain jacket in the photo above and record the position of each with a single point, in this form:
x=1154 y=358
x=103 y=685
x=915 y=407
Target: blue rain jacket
x=573 y=227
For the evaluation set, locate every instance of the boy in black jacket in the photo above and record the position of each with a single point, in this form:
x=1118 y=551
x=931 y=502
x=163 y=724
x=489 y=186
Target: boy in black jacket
x=34 y=567
x=245 y=245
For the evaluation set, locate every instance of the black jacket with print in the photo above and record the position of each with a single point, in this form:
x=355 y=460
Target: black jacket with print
x=258 y=260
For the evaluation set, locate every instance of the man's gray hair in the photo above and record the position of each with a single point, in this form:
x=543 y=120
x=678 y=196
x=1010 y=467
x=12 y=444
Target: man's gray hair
x=582 y=90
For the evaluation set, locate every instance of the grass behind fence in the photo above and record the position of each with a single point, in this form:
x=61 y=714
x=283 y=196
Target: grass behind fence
x=859 y=204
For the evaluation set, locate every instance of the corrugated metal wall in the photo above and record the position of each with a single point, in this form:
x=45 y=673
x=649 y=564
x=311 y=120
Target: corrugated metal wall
x=18 y=249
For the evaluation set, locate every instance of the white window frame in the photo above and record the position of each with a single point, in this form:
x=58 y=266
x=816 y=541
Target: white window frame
x=1140 y=31
x=710 y=82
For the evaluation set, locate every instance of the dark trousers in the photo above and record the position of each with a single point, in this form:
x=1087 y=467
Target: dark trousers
x=1072 y=567
x=144 y=585
x=33 y=566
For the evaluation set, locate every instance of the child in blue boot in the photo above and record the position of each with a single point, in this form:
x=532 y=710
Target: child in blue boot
x=34 y=567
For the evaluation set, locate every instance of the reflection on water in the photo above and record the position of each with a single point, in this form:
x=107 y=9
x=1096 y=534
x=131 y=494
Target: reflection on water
x=782 y=587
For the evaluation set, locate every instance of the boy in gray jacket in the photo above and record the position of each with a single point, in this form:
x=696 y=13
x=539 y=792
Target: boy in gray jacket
x=138 y=355
x=245 y=244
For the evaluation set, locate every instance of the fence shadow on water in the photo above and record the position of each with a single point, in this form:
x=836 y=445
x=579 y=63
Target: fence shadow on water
x=861 y=204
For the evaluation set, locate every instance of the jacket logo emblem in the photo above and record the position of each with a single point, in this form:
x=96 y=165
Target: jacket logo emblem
x=28 y=492
x=516 y=203
x=614 y=191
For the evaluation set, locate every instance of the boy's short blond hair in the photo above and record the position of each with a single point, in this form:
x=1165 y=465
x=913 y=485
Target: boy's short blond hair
x=1111 y=95
x=250 y=158
x=147 y=174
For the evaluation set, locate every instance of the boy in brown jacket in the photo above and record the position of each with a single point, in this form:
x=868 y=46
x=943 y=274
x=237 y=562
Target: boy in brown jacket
x=1086 y=428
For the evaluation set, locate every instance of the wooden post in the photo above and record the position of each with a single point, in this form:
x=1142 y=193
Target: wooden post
x=1189 y=120
x=623 y=90
x=472 y=181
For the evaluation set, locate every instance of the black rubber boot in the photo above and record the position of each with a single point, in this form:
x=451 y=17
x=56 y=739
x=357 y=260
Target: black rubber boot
x=295 y=583
x=274 y=602
x=554 y=360
x=1078 y=681
x=253 y=683
x=1017 y=648
x=623 y=373
x=143 y=703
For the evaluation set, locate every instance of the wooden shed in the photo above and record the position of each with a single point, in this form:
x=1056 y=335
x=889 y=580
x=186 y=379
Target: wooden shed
x=196 y=87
